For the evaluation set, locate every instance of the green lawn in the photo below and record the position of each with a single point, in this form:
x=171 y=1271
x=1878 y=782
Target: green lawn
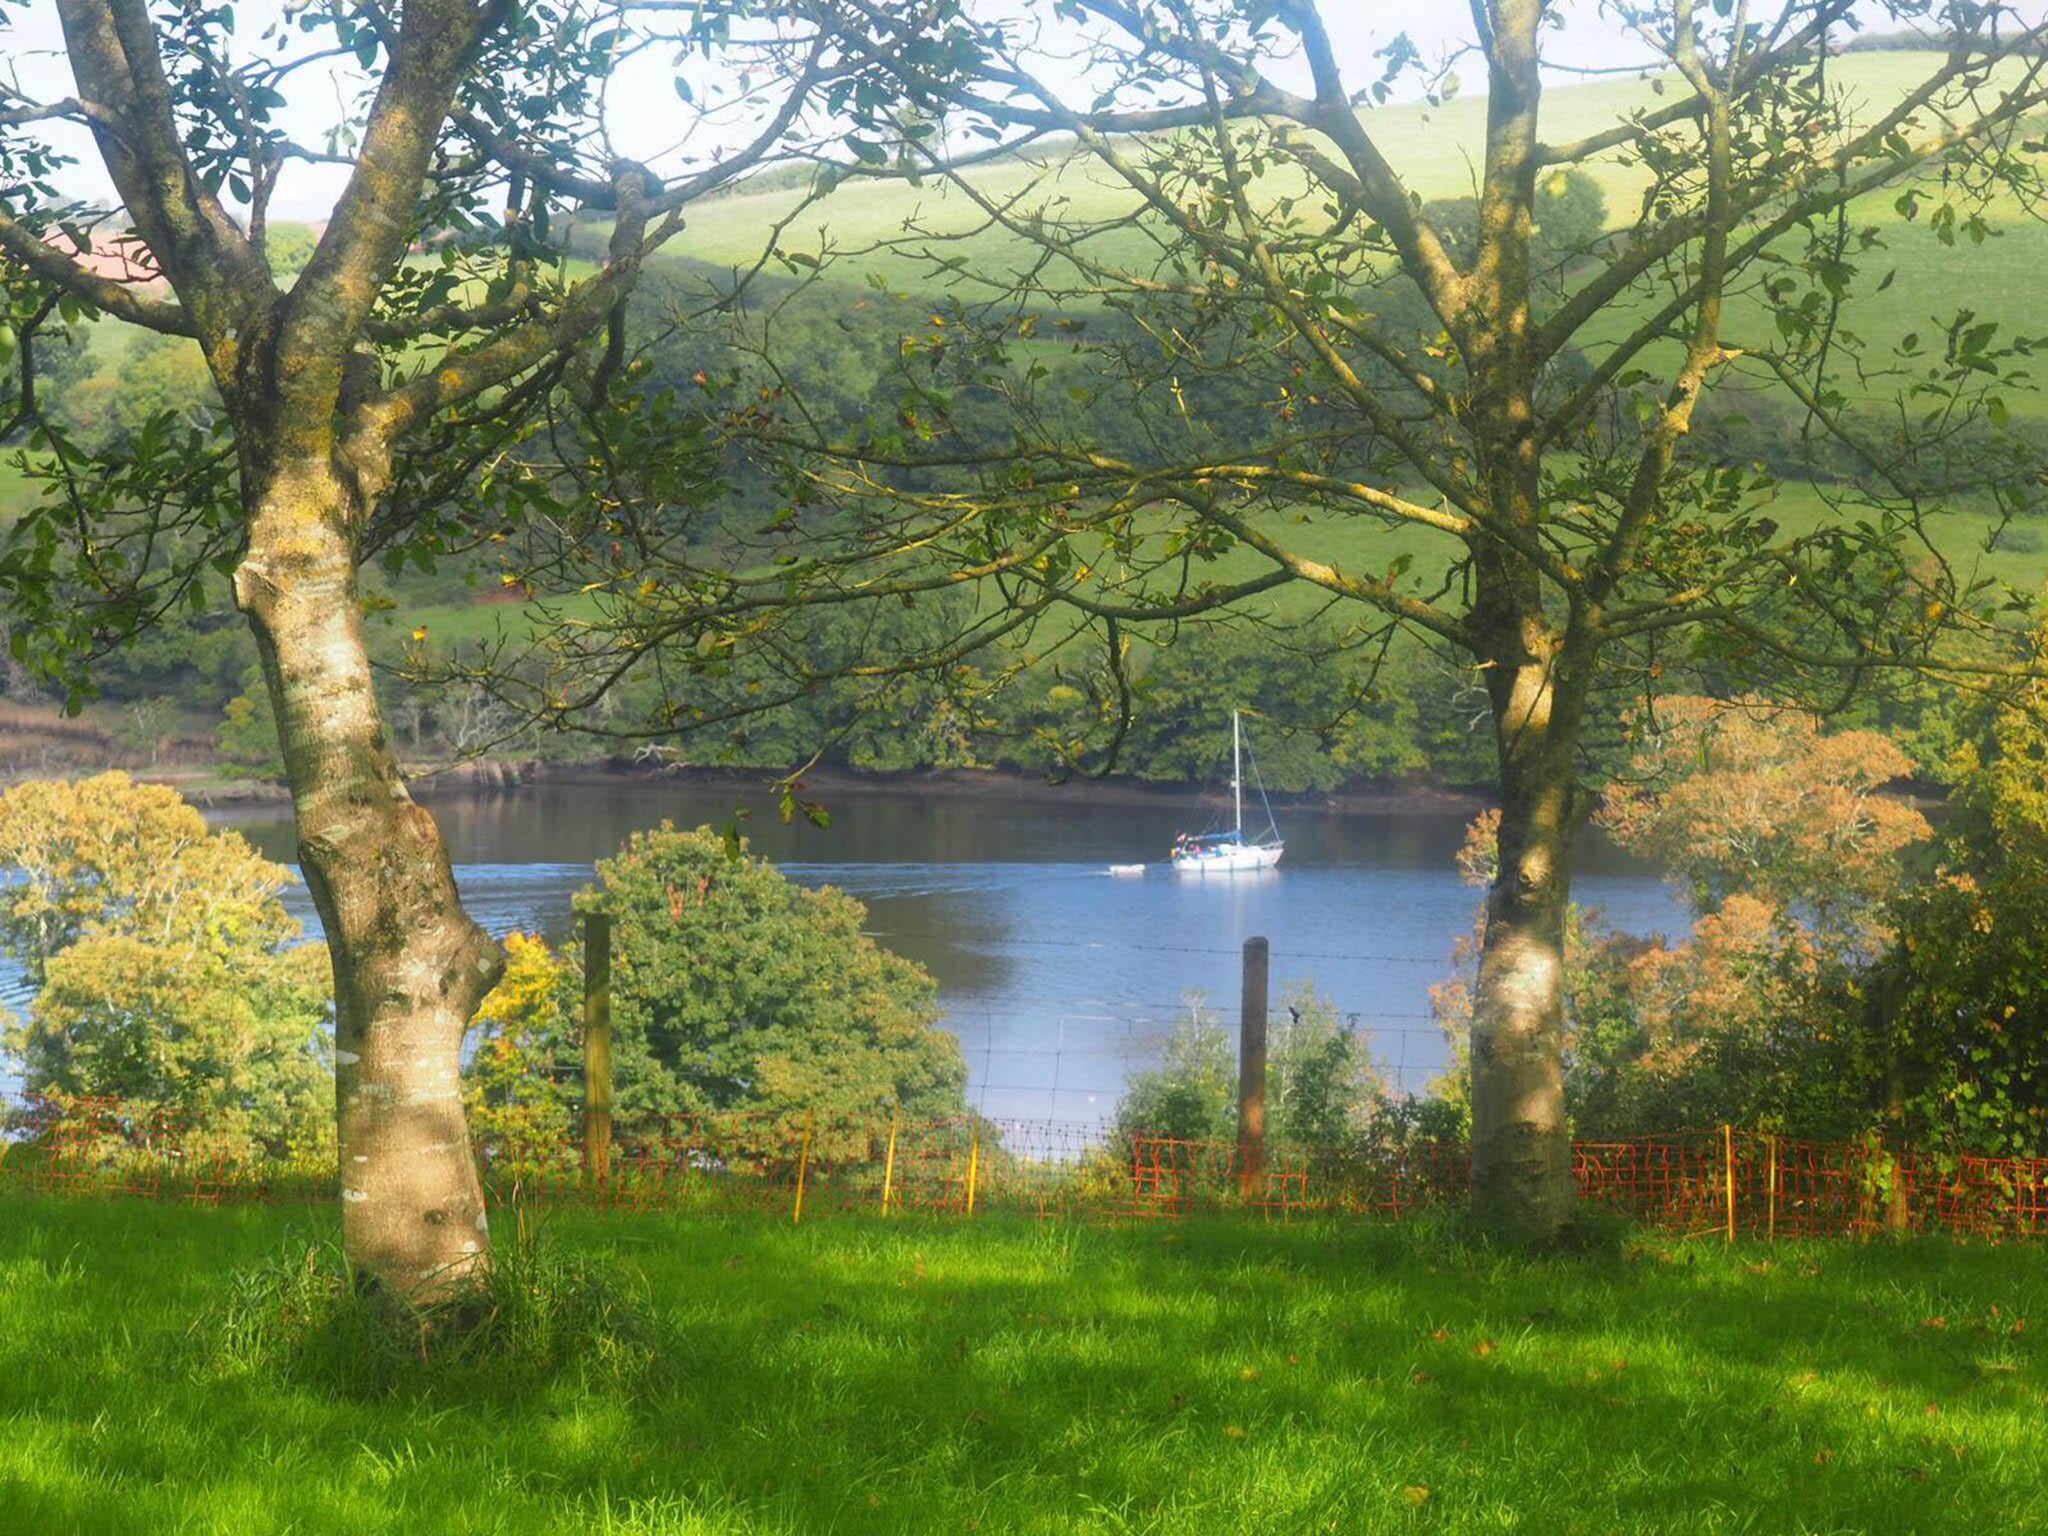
x=849 y=1376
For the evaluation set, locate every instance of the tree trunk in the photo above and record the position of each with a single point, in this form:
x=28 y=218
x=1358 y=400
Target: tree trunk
x=409 y=964
x=1522 y=1186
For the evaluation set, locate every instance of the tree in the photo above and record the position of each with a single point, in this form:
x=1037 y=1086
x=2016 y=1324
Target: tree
x=1793 y=861
x=167 y=970
x=227 y=1032
x=247 y=733
x=517 y=1082
x=1579 y=542
x=1956 y=1010
x=1738 y=798
x=108 y=855
x=735 y=988
x=434 y=321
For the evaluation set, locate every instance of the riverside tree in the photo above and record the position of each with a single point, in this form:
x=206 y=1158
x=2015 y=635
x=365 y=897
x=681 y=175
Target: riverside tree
x=168 y=972
x=364 y=400
x=1476 y=437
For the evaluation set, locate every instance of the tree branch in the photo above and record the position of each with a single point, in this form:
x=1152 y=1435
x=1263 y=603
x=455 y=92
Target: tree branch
x=120 y=300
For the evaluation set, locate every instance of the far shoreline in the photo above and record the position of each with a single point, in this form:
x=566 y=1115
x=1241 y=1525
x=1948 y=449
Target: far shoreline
x=488 y=777
x=823 y=784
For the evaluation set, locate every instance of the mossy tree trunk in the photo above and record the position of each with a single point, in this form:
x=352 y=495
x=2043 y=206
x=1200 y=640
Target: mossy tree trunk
x=410 y=965
x=315 y=426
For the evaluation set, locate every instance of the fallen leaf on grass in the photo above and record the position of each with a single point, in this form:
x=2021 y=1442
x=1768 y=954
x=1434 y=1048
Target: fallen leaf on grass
x=1822 y=1457
x=1933 y=1322
x=1416 y=1495
x=1249 y=1373
x=1419 y=1377
x=1483 y=1348
x=1235 y=1431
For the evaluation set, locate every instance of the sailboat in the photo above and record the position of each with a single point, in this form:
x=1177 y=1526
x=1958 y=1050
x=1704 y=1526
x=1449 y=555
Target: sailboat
x=1227 y=853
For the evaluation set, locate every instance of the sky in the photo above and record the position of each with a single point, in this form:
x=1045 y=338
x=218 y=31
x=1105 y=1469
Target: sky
x=648 y=117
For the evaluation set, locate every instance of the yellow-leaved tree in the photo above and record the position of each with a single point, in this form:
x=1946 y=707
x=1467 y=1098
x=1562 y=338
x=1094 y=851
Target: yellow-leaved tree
x=168 y=973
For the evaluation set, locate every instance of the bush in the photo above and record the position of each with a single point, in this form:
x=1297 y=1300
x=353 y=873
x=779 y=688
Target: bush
x=519 y=1075
x=1325 y=1097
x=734 y=988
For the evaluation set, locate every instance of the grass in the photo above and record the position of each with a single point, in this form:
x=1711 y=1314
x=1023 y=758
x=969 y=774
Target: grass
x=849 y=1376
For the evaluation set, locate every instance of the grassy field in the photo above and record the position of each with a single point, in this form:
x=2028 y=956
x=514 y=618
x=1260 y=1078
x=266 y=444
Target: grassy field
x=1435 y=150
x=1014 y=1378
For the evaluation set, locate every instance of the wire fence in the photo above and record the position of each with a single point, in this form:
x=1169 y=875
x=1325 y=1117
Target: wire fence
x=1075 y=1062
x=1725 y=1183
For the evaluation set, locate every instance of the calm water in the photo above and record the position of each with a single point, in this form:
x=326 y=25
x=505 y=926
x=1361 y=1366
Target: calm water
x=1058 y=978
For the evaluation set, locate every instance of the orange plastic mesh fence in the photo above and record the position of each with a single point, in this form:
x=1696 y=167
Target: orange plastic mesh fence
x=1727 y=1181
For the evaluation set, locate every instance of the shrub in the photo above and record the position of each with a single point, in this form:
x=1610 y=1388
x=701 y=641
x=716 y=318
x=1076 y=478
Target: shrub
x=734 y=988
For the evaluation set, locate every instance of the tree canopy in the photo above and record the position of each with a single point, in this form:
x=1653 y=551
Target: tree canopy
x=168 y=974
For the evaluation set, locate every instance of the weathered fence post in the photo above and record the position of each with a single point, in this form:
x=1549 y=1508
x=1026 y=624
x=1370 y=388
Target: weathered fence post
x=597 y=1046
x=1771 y=1230
x=1251 y=1073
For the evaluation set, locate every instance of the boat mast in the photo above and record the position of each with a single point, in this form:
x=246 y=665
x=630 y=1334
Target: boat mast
x=1237 y=770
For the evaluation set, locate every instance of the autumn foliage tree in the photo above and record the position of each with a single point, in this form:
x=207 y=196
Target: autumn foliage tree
x=1791 y=843
x=1739 y=799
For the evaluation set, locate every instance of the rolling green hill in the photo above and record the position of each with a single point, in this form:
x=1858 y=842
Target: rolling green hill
x=866 y=225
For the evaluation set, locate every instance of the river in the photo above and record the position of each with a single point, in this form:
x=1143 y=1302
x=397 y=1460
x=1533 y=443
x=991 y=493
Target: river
x=1059 y=979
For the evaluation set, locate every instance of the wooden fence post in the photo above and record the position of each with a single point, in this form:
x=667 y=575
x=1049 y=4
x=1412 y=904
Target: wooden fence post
x=1771 y=1231
x=597 y=1046
x=1251 y=1072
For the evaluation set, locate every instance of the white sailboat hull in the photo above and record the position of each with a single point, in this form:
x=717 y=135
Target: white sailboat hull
x=1241 y=859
